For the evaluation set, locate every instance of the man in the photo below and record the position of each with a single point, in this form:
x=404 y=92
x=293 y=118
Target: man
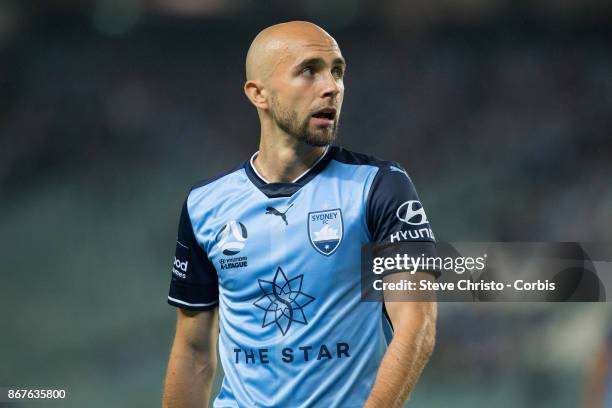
x=273 y=249
x=598 y=384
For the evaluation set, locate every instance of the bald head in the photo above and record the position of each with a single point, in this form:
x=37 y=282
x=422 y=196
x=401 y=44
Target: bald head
x=279 y=43
x=295 y=79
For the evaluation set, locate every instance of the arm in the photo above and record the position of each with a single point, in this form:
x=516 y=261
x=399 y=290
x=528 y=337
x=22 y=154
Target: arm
x=414 y=325
x=596 y=376
x=193 y=360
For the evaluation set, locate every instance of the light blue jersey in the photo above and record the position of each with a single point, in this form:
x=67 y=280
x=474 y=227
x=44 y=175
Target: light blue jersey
x=282 y=263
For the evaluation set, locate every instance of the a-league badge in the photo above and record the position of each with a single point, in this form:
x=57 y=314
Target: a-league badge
x=325 y=230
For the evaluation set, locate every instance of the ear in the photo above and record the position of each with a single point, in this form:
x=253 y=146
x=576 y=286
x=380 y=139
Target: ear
x=256 y=94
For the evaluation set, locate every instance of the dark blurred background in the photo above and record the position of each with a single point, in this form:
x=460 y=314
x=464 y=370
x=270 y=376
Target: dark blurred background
x=109 y=110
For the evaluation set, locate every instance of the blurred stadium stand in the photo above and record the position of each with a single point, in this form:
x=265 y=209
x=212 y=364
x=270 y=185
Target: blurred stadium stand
x=500 y=110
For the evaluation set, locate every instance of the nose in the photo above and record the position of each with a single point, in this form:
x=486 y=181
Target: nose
x=331 y=87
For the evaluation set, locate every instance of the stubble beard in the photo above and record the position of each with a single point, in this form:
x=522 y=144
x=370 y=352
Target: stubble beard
x=289 y=123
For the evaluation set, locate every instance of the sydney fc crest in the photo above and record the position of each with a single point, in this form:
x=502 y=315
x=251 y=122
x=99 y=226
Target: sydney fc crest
x=325 y=230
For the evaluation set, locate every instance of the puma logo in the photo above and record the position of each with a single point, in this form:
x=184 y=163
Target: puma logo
x=274 y=211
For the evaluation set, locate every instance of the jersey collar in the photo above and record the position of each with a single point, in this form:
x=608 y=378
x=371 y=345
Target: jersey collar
x=273 y=190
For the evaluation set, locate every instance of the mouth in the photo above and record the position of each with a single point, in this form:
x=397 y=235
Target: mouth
x=324 y=117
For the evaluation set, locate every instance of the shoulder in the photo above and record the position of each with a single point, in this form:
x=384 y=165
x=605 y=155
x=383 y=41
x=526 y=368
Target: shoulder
x=210 y=189
x=347 y=156
x=383 y=170
x=211 y=181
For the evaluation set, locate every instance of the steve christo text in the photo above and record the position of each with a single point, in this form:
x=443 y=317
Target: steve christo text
x=463 y=285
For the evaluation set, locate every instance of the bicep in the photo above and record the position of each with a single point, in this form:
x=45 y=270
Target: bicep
x=410 y=311
x=197 y=330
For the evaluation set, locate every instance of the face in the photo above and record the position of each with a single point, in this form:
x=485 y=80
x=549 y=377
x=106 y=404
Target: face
x=307 y=89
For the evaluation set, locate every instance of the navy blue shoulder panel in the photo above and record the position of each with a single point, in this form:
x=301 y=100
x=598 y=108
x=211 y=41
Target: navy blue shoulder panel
x=348 y=157
x=394 y=212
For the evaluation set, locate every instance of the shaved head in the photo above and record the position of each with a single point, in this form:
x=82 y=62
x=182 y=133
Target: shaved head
x=294 y=77
x=277 y=43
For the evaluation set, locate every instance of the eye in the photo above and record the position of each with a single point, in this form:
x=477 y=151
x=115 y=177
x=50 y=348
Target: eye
x=338 y=72
x=308 y=71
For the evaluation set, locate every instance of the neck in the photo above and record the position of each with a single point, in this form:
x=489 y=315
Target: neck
x=282 y=160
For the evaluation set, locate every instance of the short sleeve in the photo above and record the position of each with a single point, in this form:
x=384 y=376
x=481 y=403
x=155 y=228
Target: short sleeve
x=194 y=283
x=395 y=213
